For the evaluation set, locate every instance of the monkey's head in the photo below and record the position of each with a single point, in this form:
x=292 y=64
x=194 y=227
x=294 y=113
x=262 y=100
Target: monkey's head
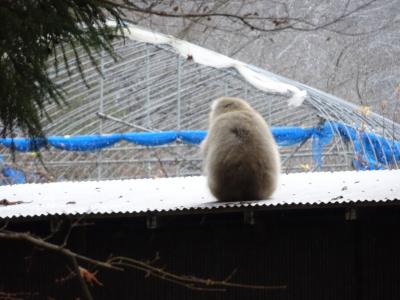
x=227 y=104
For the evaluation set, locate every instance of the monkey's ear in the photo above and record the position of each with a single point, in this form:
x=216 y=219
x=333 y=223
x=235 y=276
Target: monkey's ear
x=228 y=105
x=214 y=104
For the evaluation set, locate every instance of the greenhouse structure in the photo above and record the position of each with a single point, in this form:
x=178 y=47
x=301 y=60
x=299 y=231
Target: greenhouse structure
x=146 y=114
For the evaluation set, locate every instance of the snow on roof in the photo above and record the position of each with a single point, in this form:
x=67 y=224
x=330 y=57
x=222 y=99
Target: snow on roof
x=190 y=193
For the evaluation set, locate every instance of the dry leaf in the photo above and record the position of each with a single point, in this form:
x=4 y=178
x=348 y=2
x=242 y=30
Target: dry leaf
x=365 y=110
x=89 y=277
x=306 y=167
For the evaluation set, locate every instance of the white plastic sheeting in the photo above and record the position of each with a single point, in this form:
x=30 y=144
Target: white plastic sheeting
x=189 y=193
x=216 y=60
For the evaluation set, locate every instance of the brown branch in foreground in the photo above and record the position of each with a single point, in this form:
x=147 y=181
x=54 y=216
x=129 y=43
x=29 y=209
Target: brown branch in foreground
x=16 y=295
x=82 y=282
x=119 y=263
x=22 y=236
x=190 y=282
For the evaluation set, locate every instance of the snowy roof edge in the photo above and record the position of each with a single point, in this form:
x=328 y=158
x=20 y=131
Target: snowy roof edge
x=220 y=207
x=177 y=195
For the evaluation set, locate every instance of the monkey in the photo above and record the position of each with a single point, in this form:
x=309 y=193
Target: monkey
x=240 y=157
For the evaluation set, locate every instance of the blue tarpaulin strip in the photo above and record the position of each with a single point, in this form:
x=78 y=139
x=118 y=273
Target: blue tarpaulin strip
x=285 y=136
x=288 y=136
x=150 y=138
x=84 y=142
x=372 y=151
x=23 y=144
x=192 y=136
x=13 y=176
x=322 y=136
x=10 y=175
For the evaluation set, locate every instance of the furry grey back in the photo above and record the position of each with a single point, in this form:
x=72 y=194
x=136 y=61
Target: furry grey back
x=241 y=158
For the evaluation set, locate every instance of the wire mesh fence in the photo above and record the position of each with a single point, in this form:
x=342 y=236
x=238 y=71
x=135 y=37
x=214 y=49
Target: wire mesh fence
x=152 y=87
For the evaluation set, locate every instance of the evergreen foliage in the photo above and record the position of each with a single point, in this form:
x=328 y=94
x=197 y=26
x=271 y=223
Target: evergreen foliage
x=30 y=32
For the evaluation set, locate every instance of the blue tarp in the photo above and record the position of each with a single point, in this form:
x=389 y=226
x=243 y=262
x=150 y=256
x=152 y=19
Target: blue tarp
x=192 y=136
x=84 y=142
x=22 y=144
x=13 y=176
x=371 y=151
x=150 y=138
x=10 y=175
x=322 y=136
x=288 y=136
x=284 y=136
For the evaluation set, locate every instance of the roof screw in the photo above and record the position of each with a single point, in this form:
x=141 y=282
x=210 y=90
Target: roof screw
x=151 y=222
x=350 y=214
x=248 y=217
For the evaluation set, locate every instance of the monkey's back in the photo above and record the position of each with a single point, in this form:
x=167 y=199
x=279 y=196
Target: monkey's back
x=242 y=160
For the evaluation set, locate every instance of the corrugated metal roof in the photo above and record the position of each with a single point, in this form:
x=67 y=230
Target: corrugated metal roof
x=189 y=193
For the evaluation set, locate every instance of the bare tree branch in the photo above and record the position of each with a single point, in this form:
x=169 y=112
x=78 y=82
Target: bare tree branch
x=190 y=282
x=84 y=287
x=275 y=23
x=21 y=236
x=16 y=295
x=120 y=263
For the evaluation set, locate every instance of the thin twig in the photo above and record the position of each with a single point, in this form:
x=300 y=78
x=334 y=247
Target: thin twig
x=162 y=167
x=84 y=287
x=70 y=228
x=21 y=236
x=5 y=225
x=188 y=281
x=247 y=19
x=16 y=295
x=120 y=263
x=165 y=276
x=229 y=277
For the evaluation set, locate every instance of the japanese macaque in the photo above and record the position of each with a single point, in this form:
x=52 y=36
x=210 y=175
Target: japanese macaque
x=241 y=158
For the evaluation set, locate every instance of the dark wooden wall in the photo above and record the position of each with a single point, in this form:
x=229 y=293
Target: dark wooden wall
x=317 y=253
